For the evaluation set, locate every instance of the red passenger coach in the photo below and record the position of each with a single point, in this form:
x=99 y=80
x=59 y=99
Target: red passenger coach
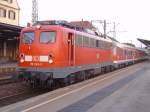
x=124 y=55
x=56 y=51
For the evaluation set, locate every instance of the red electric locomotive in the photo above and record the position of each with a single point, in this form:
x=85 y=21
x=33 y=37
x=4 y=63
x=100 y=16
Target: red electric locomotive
x=50 y=51
x=53 y=51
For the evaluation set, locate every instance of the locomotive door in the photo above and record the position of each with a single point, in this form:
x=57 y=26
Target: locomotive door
x=70 y=49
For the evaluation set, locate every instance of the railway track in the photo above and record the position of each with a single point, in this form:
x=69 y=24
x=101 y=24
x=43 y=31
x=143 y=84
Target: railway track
x=6 y=80
x=17 y=91
x=7 y=100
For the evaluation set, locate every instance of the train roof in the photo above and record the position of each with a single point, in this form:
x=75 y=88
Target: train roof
x=61 y=23
x=72 y=27
x=84 y=26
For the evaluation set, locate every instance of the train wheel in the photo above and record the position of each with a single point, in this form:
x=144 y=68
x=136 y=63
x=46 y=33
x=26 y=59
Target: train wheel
x=83 y=75
x=66 y=81
x=50 y=83
x=111 y=68
x=80 y=76
x=69 y=80
x=88 y=75
x=103 y=70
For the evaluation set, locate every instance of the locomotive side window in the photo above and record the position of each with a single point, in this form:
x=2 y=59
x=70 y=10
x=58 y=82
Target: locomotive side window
x=78 y=40
x=28 y=37
x=47 y=37
x=86 y=41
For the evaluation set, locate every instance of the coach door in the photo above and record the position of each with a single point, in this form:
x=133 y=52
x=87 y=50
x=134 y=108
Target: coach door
x=70 y=49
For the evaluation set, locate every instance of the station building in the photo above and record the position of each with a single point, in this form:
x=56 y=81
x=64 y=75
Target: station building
x=9 y=30
x=9 y=12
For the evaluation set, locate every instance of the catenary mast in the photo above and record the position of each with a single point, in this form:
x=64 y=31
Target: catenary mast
x=34 y=11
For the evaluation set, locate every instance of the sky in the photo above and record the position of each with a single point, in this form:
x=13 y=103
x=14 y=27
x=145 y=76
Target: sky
x=131 y=16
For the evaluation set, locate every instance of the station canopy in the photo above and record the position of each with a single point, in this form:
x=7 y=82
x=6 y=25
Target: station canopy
x=145 y=42
x=8 y=31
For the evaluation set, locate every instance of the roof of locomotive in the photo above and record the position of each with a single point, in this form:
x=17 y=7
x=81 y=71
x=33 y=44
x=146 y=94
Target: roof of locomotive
x=67 y=27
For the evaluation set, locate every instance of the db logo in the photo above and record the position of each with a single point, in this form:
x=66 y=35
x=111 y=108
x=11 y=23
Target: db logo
x=35 y=58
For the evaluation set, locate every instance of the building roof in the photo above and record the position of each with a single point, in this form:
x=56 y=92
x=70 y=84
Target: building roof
x=83 y=24
x=9 y=31
x=145 y=42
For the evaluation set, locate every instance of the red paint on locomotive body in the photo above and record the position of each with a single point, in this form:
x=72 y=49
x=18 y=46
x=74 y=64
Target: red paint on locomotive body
x=37 y=49
x=64 y=50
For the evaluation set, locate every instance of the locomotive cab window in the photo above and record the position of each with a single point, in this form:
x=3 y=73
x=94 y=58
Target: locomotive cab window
x=47 y=37
x=28 y=37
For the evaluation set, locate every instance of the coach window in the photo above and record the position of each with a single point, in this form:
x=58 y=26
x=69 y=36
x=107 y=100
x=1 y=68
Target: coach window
x=47 y=37
x=99 y=44
x=28 y=37
x=92 y=42
x=102 y=45
x=108 y=46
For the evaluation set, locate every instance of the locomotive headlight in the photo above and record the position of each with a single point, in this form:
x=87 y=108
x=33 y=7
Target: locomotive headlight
x=38 y=26
x=22 y=60
x=50 y=61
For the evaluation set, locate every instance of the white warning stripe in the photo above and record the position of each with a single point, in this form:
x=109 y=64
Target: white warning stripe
x=43 y=58
x=28 y=58
x=121 y=61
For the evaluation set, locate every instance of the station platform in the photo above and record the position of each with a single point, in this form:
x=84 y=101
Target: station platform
x=124 y=90
x=8 y=67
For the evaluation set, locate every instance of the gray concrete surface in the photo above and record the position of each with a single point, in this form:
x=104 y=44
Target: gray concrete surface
x=108 y=99
x=127 y=91
x=133 y=97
